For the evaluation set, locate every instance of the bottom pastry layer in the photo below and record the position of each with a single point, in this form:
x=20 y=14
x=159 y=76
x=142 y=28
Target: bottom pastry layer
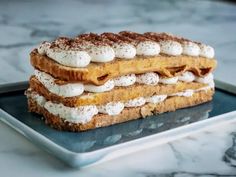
x=102 y=120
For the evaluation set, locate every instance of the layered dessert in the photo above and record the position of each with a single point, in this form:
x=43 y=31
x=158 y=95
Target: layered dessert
x=97 y=80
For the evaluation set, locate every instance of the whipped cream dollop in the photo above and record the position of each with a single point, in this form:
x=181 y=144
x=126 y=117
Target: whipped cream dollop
x=156 y=99
x=80 y=114
x=66 y=90
x=101 y=53
x=171 y=48
x=186 y=93
x=43 y=47
x=187 y=76
x=125 y=80
x=190 y=48
x=211 y=85
x=148 y=48
x=135 y=102
x=206 y=51
x=150 y=78
x=64 y=56
x=109 y=85
x=124 y=50
x=40 y=100
x=171 y=80
x=69 y=57
x=206 y=79
x=112 y=108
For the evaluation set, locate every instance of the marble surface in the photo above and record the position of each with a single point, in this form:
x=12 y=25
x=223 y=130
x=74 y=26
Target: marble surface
x=23 y=24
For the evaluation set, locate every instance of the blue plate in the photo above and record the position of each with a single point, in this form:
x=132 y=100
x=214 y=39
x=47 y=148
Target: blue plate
x=85 y=148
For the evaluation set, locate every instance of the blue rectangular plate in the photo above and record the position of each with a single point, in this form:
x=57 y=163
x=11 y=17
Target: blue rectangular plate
x=86 y=148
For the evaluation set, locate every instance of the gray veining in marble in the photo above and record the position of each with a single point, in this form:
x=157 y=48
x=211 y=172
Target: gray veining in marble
x=23 y=24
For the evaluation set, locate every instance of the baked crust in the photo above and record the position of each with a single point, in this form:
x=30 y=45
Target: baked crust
x=102 y=120
x=116 y=94
x=99 y=73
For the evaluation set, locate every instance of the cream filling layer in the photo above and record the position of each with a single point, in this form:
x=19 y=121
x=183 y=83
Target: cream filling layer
x=83 y=114
x=84 y=54
x=151 y=78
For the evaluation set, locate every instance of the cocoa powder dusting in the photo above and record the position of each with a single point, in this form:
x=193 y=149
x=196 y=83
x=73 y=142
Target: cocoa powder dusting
x=109 y=38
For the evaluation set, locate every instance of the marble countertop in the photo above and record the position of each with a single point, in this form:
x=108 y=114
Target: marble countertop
x=25 y=23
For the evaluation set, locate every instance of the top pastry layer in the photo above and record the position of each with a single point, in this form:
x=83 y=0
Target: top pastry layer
x=93 y=58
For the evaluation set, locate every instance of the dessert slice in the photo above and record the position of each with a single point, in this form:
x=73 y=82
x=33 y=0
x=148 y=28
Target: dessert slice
x=94 y=80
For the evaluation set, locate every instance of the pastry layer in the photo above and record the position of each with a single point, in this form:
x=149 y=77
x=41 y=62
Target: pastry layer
x=99 y=73
x=116 y=94
x=102 y=120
